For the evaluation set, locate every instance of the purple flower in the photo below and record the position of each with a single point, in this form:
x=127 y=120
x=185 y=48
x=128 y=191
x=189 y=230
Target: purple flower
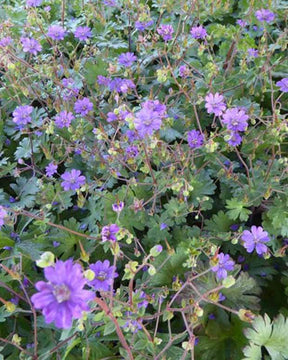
x=166 y=31
x=83 y=106
x=3 y=214
x=125 y=85
x=73 y=180
x=70 y=90
x=184 y=71
x=235 y=119
x=82 y=33
x=198 y=32
x=103 y=80
x=224 y=264
x=163 y=226
x=62 y=298
x=234 y=138
x=31 y=45
x=265 y=15
x=51 y=169
x=127 y=59
x=141 y=25
x=132 y=325
x=242 y=23
x=109 y=232
x=131 y=151
x=215 y=104
x=195 y=139
x=140 y=295
x=22 y=114
x=111 y=3
x=56 y=244
x=149 y=118
x=283 y=84
x=118 y=207
x=255 y=239
x=5 y=41
x=104 y=275
x=252 y=53
x=56 y=32
x=63 y=119
x=33 y=3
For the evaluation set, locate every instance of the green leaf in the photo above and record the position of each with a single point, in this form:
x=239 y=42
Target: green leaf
x=109 y=328
x=237 y=210
x=271 y=334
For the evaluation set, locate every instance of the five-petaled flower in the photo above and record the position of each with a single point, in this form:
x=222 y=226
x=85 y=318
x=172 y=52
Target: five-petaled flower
x=109 y=232
x=22 y=115
x=195 y=139
x=225 y=264
x=56 y=32
x=215 y=104
x=255 y=239
x=104 y=275
x=73 y=180
x=283 y=85
x=83 y=33
x=235 y=119
x=83 y=106
x=127 y=59
x=62 y=298
x=31 y=45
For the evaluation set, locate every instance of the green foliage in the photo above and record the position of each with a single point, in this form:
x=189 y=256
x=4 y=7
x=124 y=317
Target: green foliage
x=270 y=334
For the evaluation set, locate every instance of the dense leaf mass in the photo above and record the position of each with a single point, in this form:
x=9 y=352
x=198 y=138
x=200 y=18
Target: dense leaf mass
x=143 y=179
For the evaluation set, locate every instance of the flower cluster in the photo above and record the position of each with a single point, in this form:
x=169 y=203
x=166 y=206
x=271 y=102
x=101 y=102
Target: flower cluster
x=265 y=15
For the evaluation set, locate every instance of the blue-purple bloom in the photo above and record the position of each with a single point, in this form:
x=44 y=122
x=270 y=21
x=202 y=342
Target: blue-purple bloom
x=33 y=3
x=166 y=31
x=63 y=119
x=56 y=32
x=252 y=53
x=255 y=239
x=235 y=119
x=242 y=23
x=5 y=41
x=224 y=264
x=3 y=214
x=51 y=169
x=118 y=206
x=283 y=85
x=111 y=3
x=30 y=45
x=127 y=59
x=83 y=106
x=143 y=25
x=62 y=298
x=22 y=115
x=70 y=90
x=82 y=33
x=73 y=180
x=195 y=139
x=109 y=232
x=265 y=15
x=198 y=32
x=215 y=104
x=149 y=118
x=234 y=139
x=184 y=71
x=104 y=275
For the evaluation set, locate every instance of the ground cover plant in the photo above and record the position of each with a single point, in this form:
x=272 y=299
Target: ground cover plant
x=143 y=190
